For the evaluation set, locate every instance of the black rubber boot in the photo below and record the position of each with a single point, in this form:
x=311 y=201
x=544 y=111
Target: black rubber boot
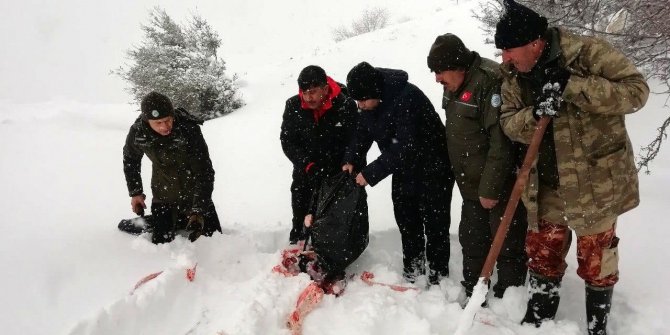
x=598 y=304
x=544 y=299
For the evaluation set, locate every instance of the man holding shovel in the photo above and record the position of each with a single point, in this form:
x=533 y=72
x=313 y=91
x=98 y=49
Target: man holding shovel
x=585 y=175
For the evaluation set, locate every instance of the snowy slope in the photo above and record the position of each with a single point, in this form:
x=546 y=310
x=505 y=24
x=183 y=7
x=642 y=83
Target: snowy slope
x=67 y=270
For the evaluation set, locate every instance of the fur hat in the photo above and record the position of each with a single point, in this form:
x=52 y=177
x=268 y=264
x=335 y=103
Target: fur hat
x=365 y=82
x=156 y=106
x=449 y=53
x=311 y=76
x=518 y=26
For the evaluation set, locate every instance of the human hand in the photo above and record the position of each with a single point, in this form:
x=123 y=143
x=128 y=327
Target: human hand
x=557 y=75
x=360 y=180
x=137 y=204
x=348 y=167
x=550 y=97
x=309 y=219
x=549 y=103
x=488 y=203
x=313 y=169
x=196 y=222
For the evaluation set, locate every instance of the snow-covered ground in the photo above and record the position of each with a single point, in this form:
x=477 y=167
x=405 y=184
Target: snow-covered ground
x=68 y=270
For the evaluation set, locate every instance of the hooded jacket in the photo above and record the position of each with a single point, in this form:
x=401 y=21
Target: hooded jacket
x=408 y=132
x=318 y=137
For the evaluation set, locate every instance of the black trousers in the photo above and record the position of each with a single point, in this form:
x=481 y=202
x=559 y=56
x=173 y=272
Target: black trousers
x=302 y=191
x=167 y=218
x=423 y=218
x=477 y=228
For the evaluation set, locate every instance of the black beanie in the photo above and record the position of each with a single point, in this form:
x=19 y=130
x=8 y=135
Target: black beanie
x=518 y=26
x=448 y=53
x=156 y=106
x=365 y=82
x=311 y=76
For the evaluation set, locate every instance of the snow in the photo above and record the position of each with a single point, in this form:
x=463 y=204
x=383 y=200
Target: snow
x=68 y=270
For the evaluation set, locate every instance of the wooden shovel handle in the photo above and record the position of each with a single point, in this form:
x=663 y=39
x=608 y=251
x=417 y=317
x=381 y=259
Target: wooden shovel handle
x=519 y=186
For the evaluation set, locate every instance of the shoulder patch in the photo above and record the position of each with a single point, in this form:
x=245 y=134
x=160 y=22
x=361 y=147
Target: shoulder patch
x=496 y=101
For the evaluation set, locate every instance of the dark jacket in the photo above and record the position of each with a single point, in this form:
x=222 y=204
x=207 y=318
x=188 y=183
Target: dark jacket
x=323 y=142
x=408 y=132
x=182 y=172
x=481 y=155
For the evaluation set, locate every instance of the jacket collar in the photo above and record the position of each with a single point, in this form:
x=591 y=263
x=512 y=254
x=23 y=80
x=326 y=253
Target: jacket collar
x=469 y=73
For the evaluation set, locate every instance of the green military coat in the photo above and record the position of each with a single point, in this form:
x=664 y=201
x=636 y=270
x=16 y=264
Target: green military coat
x=480 y=153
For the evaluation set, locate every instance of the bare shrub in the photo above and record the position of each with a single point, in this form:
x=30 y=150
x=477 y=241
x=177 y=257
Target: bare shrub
x=371 y=20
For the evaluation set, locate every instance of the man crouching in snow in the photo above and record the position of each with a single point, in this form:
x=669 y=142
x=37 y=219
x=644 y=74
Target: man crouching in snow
x=182 y=177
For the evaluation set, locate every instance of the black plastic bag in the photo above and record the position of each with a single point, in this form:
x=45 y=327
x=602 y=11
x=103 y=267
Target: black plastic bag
x=339 y=233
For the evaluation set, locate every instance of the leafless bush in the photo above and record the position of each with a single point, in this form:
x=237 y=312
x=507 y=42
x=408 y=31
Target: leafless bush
x=371 y=20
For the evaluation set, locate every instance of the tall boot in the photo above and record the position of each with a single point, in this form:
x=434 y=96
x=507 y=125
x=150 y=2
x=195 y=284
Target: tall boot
x=598 y=304
x=543 y=301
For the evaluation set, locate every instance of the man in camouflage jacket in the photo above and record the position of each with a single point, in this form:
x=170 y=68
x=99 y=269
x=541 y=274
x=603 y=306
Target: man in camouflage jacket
x=482 y=159
x=585 y=175
x=182 y=178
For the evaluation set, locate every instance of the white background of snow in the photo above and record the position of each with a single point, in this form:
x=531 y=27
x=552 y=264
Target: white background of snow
x=63 y=120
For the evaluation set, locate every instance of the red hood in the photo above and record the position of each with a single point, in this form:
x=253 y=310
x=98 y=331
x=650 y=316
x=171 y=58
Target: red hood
x=334 y=91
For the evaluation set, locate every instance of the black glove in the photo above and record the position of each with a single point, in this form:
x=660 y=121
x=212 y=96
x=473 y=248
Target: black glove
x=196 y=225
x=313 y=168
x=557 y=75
x=314 y=172
x=550 y=94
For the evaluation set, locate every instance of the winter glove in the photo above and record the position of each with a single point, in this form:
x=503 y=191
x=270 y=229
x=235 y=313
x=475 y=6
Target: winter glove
x=550 y=96
x=314 y=173
x=557 y=75
x=313 y=169
x=196 y=224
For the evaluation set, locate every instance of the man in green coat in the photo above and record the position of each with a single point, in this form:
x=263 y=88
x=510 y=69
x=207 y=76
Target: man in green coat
x=585 y=174
x=482 y=159
x=182 y=178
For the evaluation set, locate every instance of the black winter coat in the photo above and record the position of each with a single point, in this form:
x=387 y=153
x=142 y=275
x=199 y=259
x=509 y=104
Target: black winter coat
x=324 y=142
x=182 y=172
x=408 y=132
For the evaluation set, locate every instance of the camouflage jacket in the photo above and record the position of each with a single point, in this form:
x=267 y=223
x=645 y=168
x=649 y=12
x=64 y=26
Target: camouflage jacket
x=182 y=172
x=481 y=155
x=597 y=177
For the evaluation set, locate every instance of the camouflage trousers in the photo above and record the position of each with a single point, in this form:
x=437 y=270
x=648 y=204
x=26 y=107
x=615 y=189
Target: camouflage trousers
x=597 y=255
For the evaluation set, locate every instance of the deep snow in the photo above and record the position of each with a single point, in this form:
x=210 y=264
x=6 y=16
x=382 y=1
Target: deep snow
x=68 y=270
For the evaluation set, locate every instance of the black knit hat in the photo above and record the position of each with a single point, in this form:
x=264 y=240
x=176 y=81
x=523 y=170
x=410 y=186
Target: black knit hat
x=311 y=76
x=365 y=82
x=518 y=26
x=448 y=53
x=156 y=106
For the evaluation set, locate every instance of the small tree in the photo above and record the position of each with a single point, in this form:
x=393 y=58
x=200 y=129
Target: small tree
x=182 y=63
x=371 y=20
x=639 y=28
